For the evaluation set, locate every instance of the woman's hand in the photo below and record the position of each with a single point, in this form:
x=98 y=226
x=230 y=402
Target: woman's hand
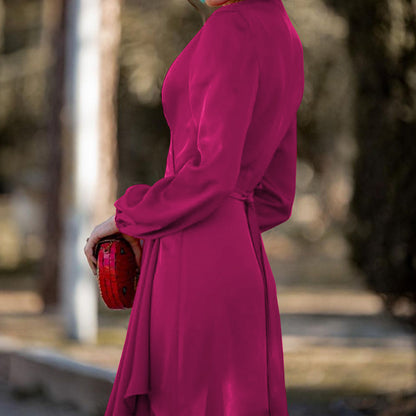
x=136 y=247
x=104 y=229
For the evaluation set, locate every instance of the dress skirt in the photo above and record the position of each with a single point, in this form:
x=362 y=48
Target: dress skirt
x=197 y=342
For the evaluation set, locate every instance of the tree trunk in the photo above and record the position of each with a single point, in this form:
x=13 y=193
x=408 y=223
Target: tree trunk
x=53 y=39
x=109 y=44
x=90 y=151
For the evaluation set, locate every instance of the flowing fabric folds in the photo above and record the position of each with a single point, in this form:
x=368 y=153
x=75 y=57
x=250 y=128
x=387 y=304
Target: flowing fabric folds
x=133 y=374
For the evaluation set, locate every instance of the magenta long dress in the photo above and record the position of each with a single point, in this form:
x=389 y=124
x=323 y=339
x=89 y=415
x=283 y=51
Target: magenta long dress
x=204 y=335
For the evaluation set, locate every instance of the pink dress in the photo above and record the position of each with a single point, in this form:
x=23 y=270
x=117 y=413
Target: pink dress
x=204 y=335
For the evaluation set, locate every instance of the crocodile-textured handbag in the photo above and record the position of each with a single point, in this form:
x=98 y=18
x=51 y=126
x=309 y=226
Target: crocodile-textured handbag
x=117 y=271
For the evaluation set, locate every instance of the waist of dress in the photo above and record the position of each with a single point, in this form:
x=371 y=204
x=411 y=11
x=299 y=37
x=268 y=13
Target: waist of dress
x=247 y=197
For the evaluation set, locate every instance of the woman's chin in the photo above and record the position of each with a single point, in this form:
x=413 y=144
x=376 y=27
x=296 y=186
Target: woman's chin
x=215 y=3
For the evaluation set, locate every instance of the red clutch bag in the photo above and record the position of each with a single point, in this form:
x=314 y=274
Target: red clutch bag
x=117 y=271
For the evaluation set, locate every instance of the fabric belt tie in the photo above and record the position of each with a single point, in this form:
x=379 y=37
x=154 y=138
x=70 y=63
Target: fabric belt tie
x=248 y=199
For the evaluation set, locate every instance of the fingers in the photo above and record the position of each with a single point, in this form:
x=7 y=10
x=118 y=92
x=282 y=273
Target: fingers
x=136 y=247
x=137 y=250
x=95 y=237
x=93 y=266
x=89 y=253
x=106 y=228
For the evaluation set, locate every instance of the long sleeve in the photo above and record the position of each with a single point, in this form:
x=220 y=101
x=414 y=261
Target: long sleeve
x=274 y=195
x=223 y=82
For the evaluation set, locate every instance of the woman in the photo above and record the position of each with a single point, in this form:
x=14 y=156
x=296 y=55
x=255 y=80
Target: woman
x=204 y=335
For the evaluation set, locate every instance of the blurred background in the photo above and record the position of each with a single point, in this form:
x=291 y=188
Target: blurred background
x=81 y=120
